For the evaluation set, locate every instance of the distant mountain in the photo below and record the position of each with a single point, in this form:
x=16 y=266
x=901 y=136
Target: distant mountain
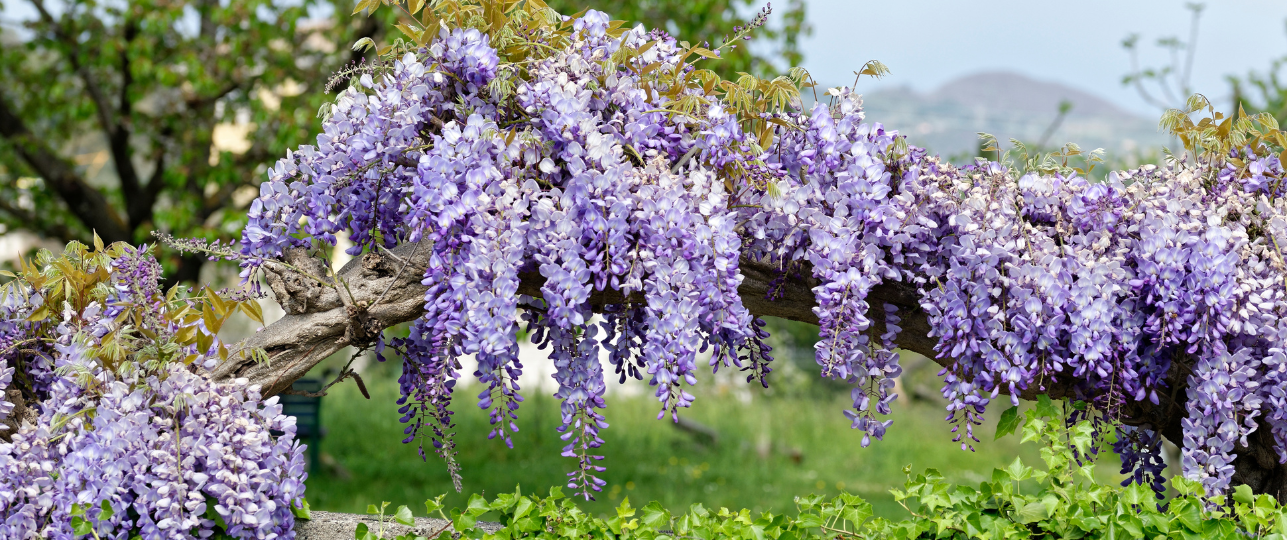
x=1009 y=105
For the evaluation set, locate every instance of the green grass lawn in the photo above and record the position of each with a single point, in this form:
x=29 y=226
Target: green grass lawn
x=768 y=451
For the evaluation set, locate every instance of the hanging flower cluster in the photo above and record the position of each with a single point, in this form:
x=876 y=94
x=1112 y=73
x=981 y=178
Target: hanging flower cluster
x=126 y=433
x=577 y=165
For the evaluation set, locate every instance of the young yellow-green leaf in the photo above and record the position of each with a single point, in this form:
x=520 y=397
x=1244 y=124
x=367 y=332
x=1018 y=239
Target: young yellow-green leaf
x=368 y=5
x=409 y=31
x=219 y=305
x=213 y=322
x=251 y=308
x=40 y=314
x=364 y=44
x=704 y=52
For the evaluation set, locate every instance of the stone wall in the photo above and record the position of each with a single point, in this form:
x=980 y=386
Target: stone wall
x=335 y=526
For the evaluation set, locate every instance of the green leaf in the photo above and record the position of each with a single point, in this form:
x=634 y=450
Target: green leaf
x=301 y=511
x=477 y=505
x=857 y=513
x=462 y=521
x=1045 y=408
x=434 y=504
x=1031 y=513
x=80 y=526
x=1009 y=422
x=213 y=515
x=525 y=505
x=1189 y=514
x=625 y=510
x=810 y=520
x=1018 y=471
x=106 y=512
x=655 y=516
x=1244 y=495
x=362 y=532
x=404 y=516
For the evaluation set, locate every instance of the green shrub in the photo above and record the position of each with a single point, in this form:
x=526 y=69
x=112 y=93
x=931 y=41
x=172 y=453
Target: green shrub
x=1061 y=500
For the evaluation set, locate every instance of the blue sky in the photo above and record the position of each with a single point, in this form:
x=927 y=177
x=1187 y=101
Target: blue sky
x=1078 y=43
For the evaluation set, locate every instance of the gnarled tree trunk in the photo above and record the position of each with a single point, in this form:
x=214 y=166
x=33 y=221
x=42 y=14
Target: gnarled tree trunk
x=383 y=289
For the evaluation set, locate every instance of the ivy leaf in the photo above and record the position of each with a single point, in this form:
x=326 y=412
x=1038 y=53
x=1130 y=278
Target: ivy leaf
x=1018 y=471
x=462 y=522
x=477 y=505
x=434 y=504
x=1188 y=514
x=857 y=513
x=106 y=512
x=301 y=511
x=1243 y=494
x=1031 y=513
x=80 y=526
x=655 y=516
x=625 y=510
x=522 y=507
x=362 y=532
x=1009 y=422
x=404 y=516
x=810 y=520
x=1045 y=407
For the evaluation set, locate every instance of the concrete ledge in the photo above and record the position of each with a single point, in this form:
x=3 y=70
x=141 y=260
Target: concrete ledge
x=335 y=526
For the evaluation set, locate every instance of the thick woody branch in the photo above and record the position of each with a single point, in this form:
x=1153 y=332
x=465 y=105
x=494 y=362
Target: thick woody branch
x=320 y=321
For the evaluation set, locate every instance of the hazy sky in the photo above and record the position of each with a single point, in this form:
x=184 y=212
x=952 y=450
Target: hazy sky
x=1078 y=43
x=928 y=42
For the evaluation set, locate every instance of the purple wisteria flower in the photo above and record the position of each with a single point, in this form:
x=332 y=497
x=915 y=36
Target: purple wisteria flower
x=575 y=171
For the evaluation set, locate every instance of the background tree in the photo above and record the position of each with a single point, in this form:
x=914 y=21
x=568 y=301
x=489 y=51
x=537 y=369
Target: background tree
x=109 y=119
x=150 y=82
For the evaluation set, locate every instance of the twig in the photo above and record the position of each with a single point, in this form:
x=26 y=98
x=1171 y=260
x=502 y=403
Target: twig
x=345 y=373
x=405 y=264
x=684 y=159
x=391 y=254
x=440 y=531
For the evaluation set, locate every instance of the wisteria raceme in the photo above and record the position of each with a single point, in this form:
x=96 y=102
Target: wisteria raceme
x=577 y=165
x=144 y=446
x=1141 y=452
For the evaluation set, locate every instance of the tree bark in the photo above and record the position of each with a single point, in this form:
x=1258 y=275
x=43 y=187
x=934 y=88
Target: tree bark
x=384 y=289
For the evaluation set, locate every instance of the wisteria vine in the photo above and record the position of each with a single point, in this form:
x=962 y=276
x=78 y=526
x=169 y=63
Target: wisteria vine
x=576 y=165
x=121 y=432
